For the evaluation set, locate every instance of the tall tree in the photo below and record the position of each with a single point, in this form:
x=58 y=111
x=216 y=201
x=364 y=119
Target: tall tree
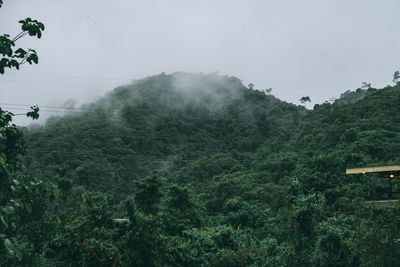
x=365 y=85
x=305 y=99
x=396 y=77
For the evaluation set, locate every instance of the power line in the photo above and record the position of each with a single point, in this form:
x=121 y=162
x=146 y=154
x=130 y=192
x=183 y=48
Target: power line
x=141 y=137
x=73 y=76
x=45 y=110
x=150 y=158
x=174 y=158
x=80 y=108
x=124 y=156
x=115 y=108
x=144 y=135
x=57 y=83
x=68 y=110
x=76 y=110
x=162 y=118
x=56 y=107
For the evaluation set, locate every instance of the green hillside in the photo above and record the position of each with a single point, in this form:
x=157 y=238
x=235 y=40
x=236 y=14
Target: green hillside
x=156 y=126
x=200 y=170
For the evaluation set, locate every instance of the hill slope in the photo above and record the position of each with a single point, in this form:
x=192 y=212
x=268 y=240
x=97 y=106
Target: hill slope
x=157 y=125
x=211 y=173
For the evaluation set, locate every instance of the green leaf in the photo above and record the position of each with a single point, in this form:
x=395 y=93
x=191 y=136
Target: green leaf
x=19 y=255
x=2 y=159
x=28 y=207
x=10 y=210
x=4 y=221
x=11 y=253
x=8 y=244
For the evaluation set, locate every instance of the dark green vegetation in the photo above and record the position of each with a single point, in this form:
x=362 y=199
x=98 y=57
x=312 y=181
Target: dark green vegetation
x=161 y=126
x=14 y=58
x=207 y=172
x=197 y=170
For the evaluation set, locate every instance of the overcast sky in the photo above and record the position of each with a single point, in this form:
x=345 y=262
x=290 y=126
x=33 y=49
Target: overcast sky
x=318 y=48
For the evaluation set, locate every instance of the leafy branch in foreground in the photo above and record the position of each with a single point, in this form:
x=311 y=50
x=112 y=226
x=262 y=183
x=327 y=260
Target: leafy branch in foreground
x=12 y=57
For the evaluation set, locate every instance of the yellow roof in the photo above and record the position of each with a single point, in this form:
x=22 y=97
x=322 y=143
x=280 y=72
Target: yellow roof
x=373 y=169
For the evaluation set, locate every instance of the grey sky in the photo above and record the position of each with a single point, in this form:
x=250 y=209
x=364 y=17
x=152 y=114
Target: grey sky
x=318 y=48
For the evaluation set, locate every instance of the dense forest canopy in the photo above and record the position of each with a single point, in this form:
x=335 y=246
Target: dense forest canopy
x=199 y=170
x=156 y=126
x=193 y=169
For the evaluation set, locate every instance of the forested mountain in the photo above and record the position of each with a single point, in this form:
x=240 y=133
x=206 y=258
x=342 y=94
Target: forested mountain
x=156 y=126
x=199 y=170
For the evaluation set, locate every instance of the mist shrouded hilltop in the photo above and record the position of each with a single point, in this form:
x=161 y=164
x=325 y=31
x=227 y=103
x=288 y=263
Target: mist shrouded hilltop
x=157 y=125
x=207 y=172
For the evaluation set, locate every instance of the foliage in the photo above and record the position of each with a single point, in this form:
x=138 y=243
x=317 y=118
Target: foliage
x=23 y=200
x=198 y=170
x=305 y=99
x=396 y=77
x=13 y=58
